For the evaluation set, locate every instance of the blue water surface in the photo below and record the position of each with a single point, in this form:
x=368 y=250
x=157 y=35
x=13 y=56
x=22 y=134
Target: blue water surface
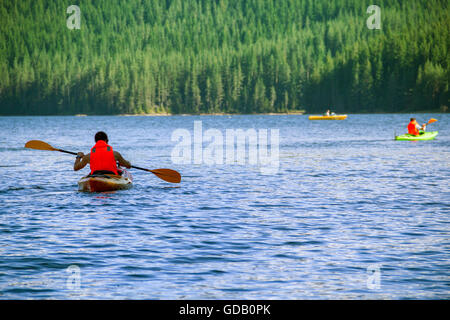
x=350 y=213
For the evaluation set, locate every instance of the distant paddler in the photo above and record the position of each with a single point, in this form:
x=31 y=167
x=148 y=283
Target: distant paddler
x=328 y=115
x=417 y=132
x=414 y=128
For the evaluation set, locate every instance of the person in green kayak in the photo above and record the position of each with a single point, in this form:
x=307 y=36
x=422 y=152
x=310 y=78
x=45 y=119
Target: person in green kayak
x=102 y=158
x=414 y=128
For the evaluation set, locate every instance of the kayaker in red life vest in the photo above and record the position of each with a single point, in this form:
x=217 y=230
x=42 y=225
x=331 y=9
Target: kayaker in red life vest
x=414 y=127
x=102 y=158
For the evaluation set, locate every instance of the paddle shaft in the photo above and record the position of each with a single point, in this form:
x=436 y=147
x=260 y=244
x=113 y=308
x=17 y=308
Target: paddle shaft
x=168 y=175
x=69 y=152
x=155 y=172
x=141 y=168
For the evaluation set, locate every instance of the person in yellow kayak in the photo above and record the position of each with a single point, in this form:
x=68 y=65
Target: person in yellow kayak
x=414 y=128
x=329 y=113
x=102 y=158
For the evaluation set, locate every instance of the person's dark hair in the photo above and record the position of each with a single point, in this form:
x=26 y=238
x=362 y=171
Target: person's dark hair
x=412 y=119
x=101 y=136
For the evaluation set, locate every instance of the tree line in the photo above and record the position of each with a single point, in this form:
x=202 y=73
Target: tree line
x=223 y=56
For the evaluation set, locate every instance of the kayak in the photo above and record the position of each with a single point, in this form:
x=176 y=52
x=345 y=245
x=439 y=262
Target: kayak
x=423 y=136
x=105 y=182
x=336 y=117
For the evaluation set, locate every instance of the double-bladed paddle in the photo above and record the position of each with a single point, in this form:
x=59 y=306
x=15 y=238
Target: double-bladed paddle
x=431 y=120
x=168 y=175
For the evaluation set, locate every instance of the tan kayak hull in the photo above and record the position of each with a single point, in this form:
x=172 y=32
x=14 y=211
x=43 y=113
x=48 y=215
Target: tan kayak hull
x=106 y=182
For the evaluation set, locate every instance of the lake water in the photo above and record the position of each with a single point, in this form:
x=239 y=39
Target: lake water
x=348 y=214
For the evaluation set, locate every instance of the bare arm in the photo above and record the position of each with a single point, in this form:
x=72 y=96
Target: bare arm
x=121 y=160
x=81 y=161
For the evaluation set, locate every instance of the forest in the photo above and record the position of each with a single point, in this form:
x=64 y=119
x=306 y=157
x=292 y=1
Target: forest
x=223 y=56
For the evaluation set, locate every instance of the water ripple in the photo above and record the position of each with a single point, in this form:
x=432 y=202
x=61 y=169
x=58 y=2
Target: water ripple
x=347 y=199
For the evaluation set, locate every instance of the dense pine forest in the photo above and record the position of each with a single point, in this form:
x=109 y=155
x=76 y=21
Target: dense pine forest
x=223 y=56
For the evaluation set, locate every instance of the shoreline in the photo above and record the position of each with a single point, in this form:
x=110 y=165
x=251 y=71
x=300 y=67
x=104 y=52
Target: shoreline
x=210 y=114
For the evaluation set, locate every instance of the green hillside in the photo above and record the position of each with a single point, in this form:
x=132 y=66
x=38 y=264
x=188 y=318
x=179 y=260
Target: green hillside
x=233 y=56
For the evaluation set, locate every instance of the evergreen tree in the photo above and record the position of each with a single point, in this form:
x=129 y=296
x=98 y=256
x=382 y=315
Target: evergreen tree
x=240 y=56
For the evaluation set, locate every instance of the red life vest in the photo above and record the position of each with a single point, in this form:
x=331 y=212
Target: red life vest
x=412 y=128
x=102 y=158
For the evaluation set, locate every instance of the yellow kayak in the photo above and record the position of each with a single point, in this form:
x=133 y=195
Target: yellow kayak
x=336 y=117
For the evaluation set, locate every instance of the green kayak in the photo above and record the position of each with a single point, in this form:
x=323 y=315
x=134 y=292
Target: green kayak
x=423 y=136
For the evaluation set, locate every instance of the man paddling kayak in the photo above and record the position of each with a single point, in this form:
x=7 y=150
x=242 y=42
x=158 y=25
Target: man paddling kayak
x=414 y=128
x=102 y=158
x=168 y=175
